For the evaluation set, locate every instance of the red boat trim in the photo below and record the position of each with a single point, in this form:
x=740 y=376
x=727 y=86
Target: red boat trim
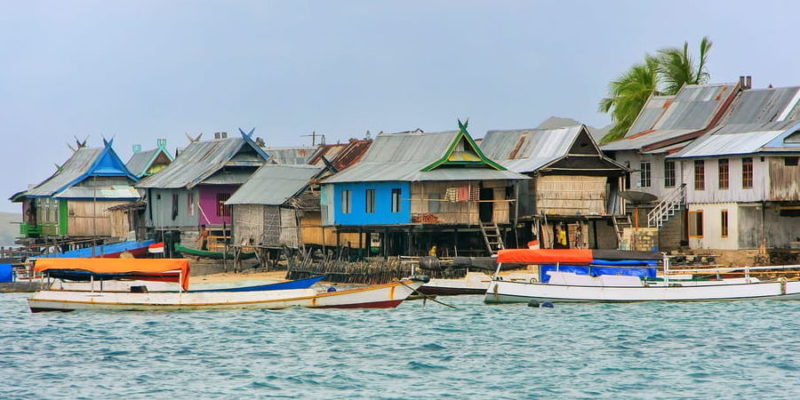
x=377 y=304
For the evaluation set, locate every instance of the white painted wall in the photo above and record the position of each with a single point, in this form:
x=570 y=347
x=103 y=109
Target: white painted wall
x=712 y=226
x=657 y=187
x=735 y=192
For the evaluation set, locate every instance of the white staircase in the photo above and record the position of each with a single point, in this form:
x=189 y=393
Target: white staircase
x=667 y=207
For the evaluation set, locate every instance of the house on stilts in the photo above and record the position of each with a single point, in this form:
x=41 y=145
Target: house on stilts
x=573 y=185
x=148 y=162
x=417 y=193
x=656 y=196
x=193 y=189
x=268 y=209
x=72 y=205
x=742 y=180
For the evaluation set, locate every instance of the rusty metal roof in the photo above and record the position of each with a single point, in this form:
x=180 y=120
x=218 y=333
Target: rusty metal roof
x=290 y=155
x=693 y=109
x=759 y=120
x=527 y=150
x=341 y=155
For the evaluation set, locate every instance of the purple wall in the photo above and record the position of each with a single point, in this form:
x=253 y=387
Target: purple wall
x=208 y=203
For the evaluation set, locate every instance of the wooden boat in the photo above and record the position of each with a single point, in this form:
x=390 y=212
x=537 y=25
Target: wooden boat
x=379 y=296
x=86 y=281
x=571 y=287
x=472 y=283
x=211 y=254
x=112 y=250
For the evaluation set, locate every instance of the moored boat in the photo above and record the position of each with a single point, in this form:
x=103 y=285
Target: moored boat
x=379 y=296
x=112 y=250
x=210 y=254
x=572 y=287
x=472 y=283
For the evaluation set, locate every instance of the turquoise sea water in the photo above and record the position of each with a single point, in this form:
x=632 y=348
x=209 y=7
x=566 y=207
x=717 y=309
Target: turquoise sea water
x=739 y=350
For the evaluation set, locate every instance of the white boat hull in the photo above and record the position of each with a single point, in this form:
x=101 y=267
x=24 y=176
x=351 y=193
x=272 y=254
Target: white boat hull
x=523 y=292
x=380 y=296
x=473 y=283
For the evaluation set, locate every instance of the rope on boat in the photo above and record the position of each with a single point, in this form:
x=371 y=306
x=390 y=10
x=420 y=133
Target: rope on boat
x=431 y=298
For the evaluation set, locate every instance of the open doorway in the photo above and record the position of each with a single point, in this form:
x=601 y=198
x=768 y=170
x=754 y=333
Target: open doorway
x=486 y=206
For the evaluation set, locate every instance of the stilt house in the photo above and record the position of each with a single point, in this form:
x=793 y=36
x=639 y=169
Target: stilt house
x=268 y=208
x=413 y=191
x=193 y=189
x=743 y=177
x=146 y=163
x=73 y=203
x=665 y=125
x=572 y=184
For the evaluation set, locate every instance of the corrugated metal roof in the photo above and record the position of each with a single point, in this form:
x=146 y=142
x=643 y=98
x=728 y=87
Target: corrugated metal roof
x=692 y=109
x=290 y=155
x=342 y=156
x=273 y=184
x=527 y=150
x=140 y=161
x=402 y=156
x=102 y=193
x=223 y=177
x=651 y=113
x=754 y=122
x=200 y=160
x=76 y=166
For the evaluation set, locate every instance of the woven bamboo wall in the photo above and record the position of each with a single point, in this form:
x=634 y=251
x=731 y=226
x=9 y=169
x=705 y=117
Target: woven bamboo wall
x=248 y=224
x=426 y=196
x=571 y=195
x=288 y=231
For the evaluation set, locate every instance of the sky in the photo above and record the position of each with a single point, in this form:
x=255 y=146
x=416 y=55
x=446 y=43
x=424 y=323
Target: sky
x=140 y=70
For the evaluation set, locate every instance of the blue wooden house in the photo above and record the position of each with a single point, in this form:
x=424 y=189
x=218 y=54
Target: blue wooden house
x=414 y=190
x=74 y=201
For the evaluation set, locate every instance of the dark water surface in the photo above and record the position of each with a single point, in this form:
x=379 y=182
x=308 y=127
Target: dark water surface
x=739 y=350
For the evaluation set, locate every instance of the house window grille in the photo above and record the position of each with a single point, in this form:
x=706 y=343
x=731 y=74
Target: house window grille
x=396 y=200
x=346 y=205
x=644 y=175
x=747 y=173
x=669 y=173
x=723 y=173
x=699 y=175
x=724 y=222
x=370 y=200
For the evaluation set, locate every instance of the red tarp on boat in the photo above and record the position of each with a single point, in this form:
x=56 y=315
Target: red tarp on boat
x=118 y=266
x=544 y=256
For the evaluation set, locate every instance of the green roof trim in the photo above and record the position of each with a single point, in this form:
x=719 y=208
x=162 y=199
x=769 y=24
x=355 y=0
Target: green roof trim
x=463 y=135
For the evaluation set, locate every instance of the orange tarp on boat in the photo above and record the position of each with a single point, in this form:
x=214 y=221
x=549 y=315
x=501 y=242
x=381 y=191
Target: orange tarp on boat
x=118 y=266
x=545 y=256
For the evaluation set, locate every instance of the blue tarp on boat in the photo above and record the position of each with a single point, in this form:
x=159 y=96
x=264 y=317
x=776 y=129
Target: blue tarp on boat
x=642 y=272
x=99 y=251
x=6 y=273
x=298 y=284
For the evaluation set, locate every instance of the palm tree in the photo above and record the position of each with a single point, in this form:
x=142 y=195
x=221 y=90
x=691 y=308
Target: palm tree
x=628 y=93
x=662 y=74
x=677 y=68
